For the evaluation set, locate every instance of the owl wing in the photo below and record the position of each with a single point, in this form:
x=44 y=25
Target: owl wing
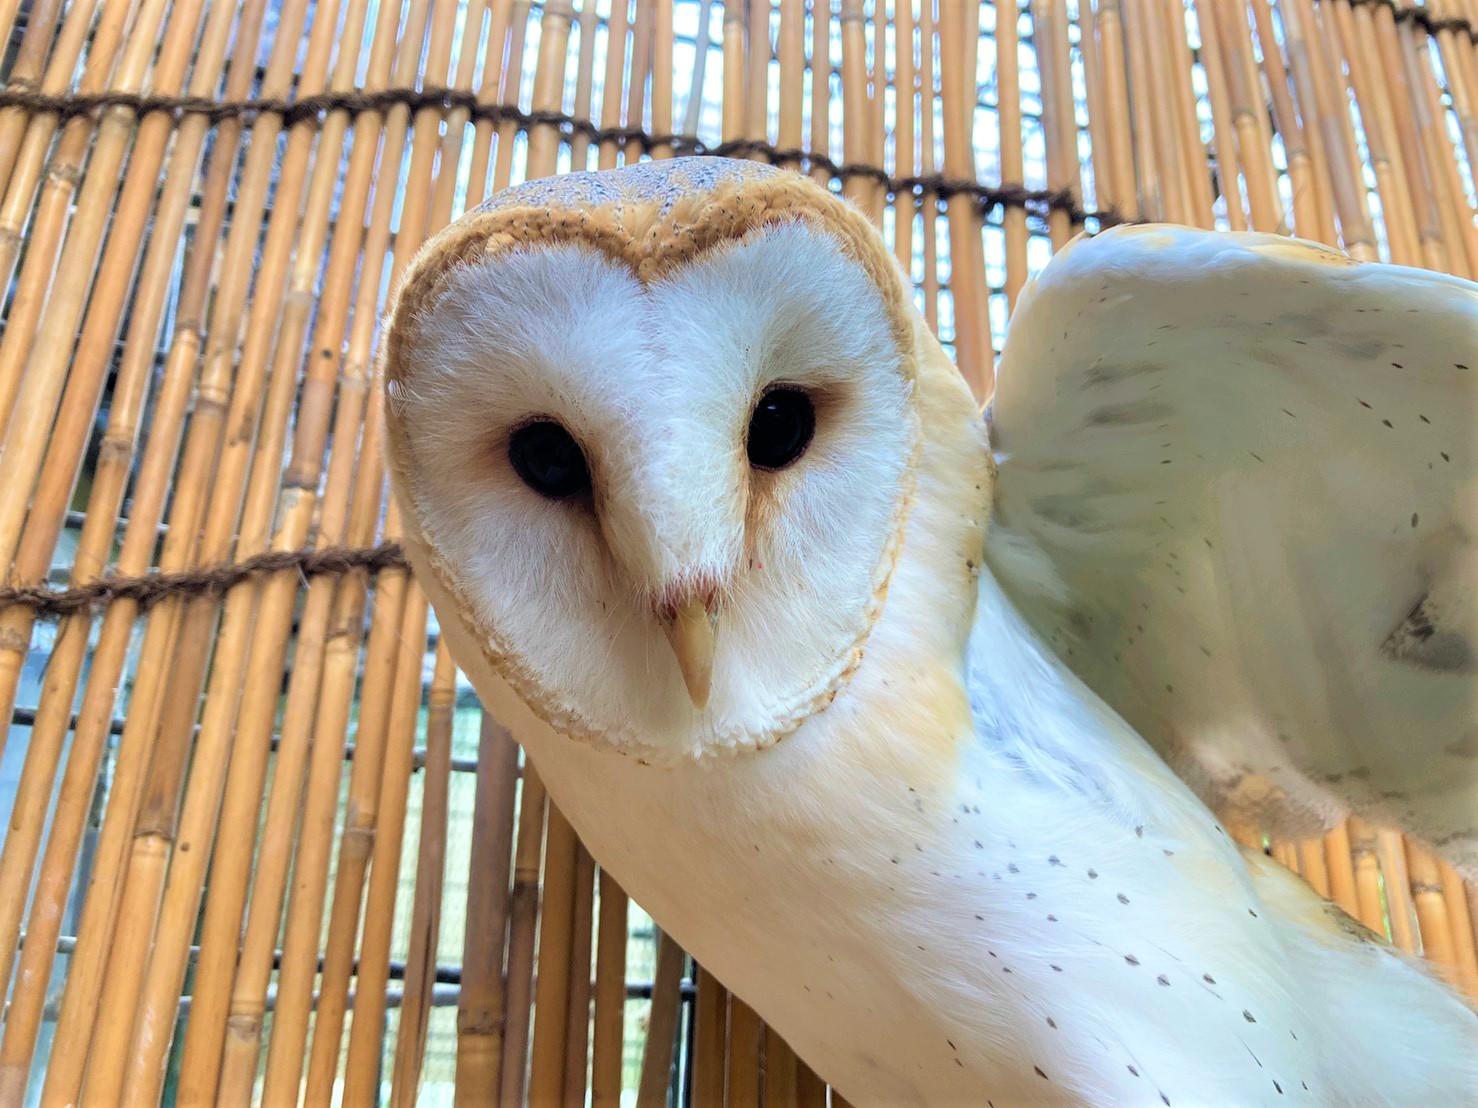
x=1238 y=494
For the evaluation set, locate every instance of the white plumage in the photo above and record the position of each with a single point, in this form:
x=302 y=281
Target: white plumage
x=901 y=828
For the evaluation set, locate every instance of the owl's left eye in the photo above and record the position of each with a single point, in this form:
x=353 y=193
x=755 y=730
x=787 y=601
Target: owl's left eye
x=780 y=428
x=548 y=460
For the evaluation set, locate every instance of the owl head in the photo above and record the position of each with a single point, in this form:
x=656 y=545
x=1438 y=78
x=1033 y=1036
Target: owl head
x=653 y=433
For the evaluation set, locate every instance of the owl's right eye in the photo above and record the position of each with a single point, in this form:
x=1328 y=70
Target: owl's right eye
x=548 y=460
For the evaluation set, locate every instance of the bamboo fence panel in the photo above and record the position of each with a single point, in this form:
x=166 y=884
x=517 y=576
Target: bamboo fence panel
x=221 y=879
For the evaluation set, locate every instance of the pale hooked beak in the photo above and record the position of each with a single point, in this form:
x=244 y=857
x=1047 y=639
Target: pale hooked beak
x=692 y=630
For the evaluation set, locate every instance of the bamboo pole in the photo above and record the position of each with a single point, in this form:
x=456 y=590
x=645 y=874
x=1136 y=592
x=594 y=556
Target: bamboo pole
x=171 y=845
x=641 y=68
x=757 y=70
x=194 y=826
x=490 y=92
x=548 y=92
x=1441 y=163
x=967 y=263
x=1309 y=214
x=1340 y=867
x=820 y=62
x=781 y=1077
x=1430 y=907
x=1396 y=885
x=1285 y=854
x=481 y=1005
x=1160 y=88
x=29 y=69
x=1115 y=92
x=1244 y=833
x=710 y=1010
x=588 y=19
x=1302 y=70
x=420 y=973
x=734 y=103
x=340 y=659
x=392 y=623
x=656 y=1067
x=792 y=54
x=455 y=129
x=1154 y=201
x=577 y=1027
x=552 y=992
x=877 y=128
x=1367 y=875
x=1198 y=178
x=64 y=670
x=1378 y=128
x=512 y=86
x=810 y=1090
x=610 y=111
x=62 y=254
x=247 y=995
x=905 y=152
x=362 y=1067
x=856 y=144
x=662 y=78
x=64 y=451
x=1223 y=141
x=1099 y=142
x=53 y=207
x=522 y=916
x=610 y=996
x=1049 y=36
x=1013 y=164
x=1460 y=925
x=80 y=1001
x=1311 y=865
x=744 y=1055
x=693 y=108
x=929 y=200
x=213 y=992
x=1379 y=62
x=1462 y=81
x=1329 y=102
x=1435 y=228
x=1250 y=115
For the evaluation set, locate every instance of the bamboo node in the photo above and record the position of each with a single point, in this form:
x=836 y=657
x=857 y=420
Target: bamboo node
x=483 y=1024
x=69 y=173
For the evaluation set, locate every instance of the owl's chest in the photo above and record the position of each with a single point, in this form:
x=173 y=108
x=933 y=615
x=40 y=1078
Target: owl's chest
x=857 y=916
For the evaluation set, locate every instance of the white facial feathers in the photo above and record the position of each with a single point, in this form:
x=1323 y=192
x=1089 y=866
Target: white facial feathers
x=657 y=384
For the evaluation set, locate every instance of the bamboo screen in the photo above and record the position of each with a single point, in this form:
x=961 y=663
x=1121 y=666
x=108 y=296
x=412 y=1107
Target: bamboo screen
x=261 y=844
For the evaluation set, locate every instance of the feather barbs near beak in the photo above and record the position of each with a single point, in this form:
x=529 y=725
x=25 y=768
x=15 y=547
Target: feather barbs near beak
x=691 y=625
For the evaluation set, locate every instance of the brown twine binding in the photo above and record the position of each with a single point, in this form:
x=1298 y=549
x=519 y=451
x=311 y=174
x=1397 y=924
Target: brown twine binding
x=1420 y=17
x=150 y=588
x=445 y=99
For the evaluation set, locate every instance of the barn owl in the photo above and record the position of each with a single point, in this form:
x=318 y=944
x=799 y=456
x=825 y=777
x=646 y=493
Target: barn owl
x=702 y=507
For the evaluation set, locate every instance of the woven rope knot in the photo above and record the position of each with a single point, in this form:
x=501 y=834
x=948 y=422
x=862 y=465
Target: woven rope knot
x=148 y=589
x=314 y=108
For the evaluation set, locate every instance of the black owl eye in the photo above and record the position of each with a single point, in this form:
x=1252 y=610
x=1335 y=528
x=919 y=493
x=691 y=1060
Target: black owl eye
x=780 y=428
x=548 y=460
